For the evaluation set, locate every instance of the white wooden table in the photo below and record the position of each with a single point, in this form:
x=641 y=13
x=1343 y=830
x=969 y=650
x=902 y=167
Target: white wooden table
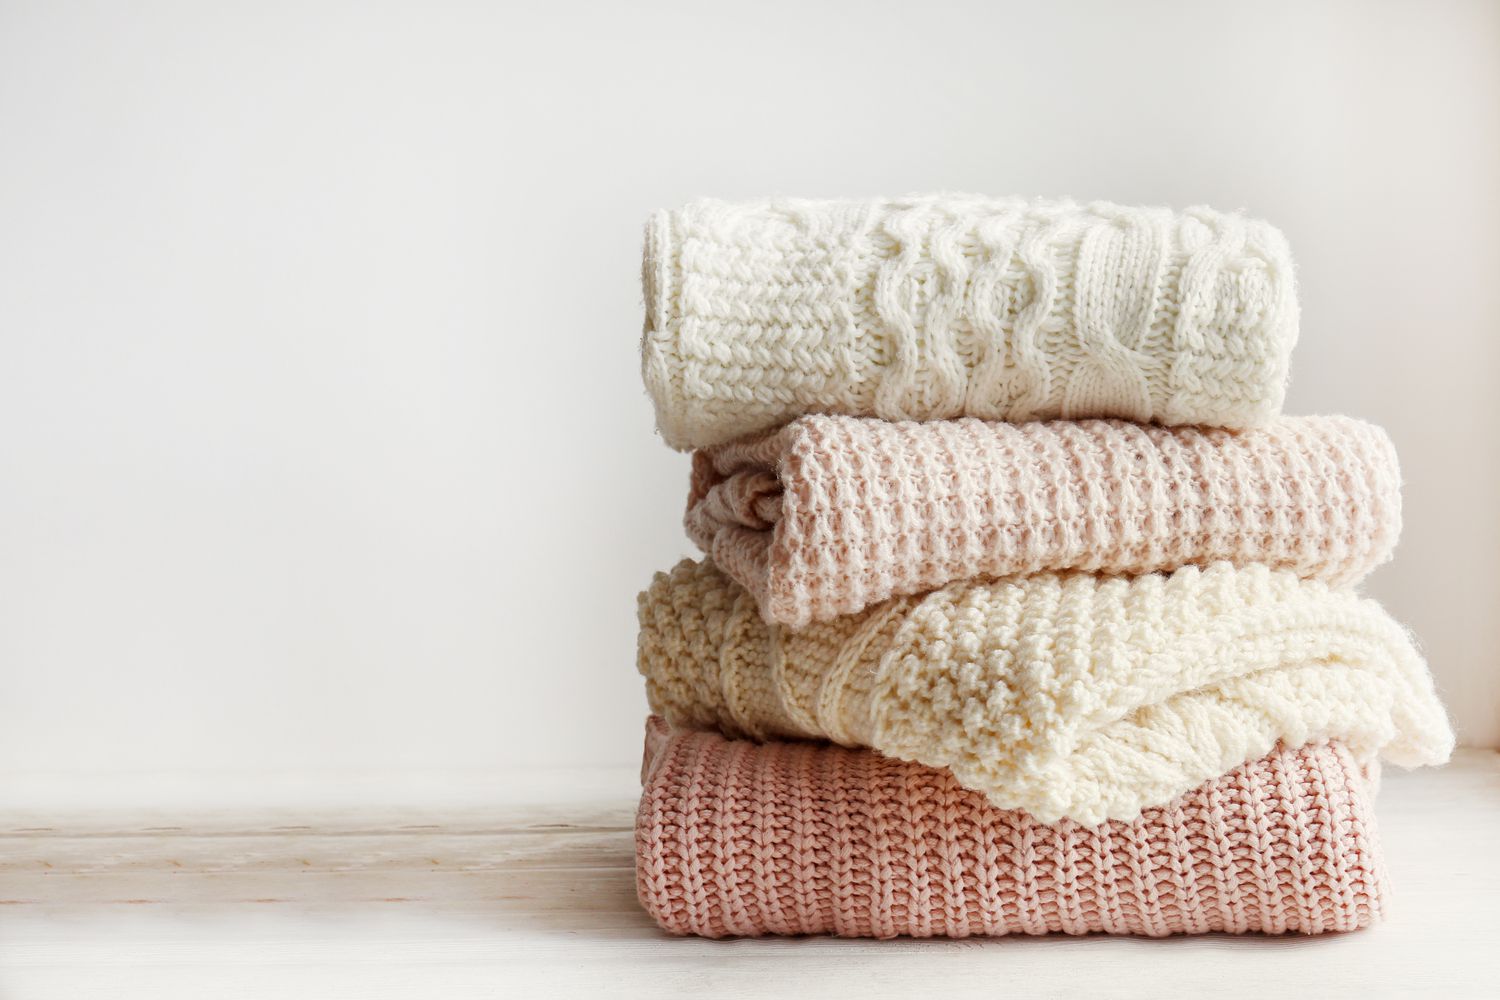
x=480 y=886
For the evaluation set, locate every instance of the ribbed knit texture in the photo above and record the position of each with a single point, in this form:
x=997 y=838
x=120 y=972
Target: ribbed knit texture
x=1064 y=695
x=832 y=514
x=940 y=306
x=734 y=838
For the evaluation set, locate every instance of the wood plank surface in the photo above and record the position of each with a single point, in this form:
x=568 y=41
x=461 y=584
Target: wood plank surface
x=531 y=894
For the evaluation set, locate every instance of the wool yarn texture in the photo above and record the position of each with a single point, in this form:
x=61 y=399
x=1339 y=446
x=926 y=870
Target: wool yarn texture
x=735 y=838
x=1065 y=695
x=829 y=515
x=939 y=306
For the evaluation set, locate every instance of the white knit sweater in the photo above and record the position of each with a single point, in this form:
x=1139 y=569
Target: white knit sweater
x=1066 y=695
x=939 y=306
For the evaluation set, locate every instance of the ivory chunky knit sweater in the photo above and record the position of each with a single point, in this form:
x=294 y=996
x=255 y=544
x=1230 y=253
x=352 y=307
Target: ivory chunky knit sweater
x=832 y=514
x=733 y=838
x=1074 y=696
x=941 y=306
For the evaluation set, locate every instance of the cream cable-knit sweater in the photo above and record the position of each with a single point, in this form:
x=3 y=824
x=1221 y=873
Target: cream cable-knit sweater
x=939 y=306
x=1067 y=696
x=829 y=515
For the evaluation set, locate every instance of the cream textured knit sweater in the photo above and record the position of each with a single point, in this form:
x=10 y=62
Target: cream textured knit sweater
x=832 y=514
x=940 y=306
x=1067 y=696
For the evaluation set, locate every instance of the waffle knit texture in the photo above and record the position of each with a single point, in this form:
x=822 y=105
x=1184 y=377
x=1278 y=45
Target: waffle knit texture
x=829 y=515
x=1068 y=696
x=736 y=838
x=939 y=306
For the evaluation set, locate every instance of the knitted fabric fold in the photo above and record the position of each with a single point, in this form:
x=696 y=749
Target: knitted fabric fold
x=939 y=306
x=735 y=838
x=829 y=515
x=1068 y=696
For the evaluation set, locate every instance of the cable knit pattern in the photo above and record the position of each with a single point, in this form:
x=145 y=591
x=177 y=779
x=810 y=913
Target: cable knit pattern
x=1072 y=696
x=940 y=306
x=738 y=839
x=832 y=514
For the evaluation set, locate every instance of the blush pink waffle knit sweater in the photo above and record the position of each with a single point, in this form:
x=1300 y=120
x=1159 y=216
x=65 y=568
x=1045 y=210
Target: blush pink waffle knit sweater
x=737 y=838
x=830 y=515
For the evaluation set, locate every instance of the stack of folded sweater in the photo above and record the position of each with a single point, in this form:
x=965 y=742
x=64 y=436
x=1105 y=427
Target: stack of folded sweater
x=1023 y=608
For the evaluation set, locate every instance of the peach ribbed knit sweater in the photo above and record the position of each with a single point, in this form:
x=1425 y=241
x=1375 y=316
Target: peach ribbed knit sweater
x=734 y=838
x=832 y=514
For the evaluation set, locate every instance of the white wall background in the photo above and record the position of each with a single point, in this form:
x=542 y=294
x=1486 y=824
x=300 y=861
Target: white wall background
x=321 y=437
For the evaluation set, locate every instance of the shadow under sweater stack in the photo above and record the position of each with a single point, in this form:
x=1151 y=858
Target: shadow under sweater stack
x=1023 y=608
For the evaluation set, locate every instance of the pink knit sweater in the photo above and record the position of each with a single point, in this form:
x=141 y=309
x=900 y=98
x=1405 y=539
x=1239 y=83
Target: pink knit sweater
x=830 y=515
x=739 y=838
